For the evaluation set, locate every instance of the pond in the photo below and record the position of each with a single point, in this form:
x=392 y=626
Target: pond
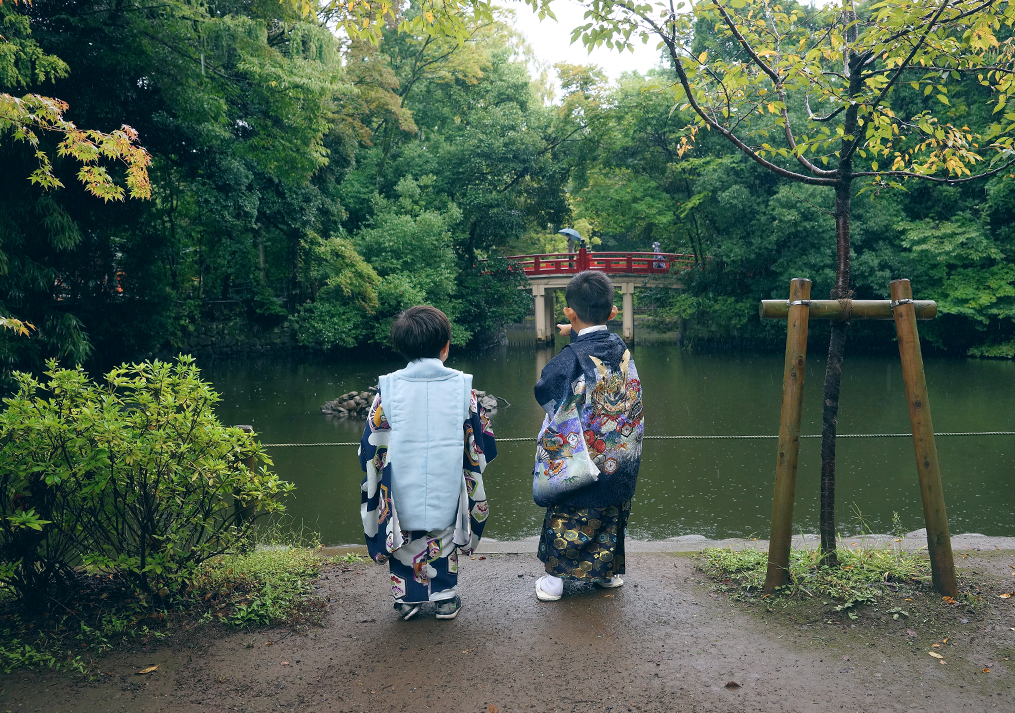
x=708 y=487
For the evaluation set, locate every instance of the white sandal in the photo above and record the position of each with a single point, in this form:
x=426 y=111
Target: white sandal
x=612 y=583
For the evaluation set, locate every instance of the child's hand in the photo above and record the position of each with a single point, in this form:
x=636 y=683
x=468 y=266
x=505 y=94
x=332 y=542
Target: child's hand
x=565 y=329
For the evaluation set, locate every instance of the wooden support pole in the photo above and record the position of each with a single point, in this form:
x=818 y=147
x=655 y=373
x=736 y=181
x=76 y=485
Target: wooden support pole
x=939 y=544
x=542 y=328
x=627 y=290
x=550 y=319
x=858 y=309
x=789 y=435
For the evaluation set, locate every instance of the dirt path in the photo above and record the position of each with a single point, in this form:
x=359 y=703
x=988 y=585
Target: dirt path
x=665 y=642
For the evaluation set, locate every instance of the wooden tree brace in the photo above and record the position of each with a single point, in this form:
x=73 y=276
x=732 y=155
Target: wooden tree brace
x=904 y=310
x=847 y=309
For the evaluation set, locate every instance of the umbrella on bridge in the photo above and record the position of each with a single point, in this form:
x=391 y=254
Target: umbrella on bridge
x=573 y=236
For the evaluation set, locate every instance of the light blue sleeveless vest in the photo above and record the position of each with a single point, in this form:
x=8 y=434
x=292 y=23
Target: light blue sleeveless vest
x=426 y=404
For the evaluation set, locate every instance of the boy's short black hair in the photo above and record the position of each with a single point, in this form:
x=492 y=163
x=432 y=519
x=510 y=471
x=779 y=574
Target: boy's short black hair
x=590 y=295
x=420 y=332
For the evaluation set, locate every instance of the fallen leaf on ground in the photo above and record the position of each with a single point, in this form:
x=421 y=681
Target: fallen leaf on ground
x=607 y=596
x=149 y=669
x=936 y=646
x=949 y=600
x=267 y=643
x=285 y=663
x=946 y=640
x=910 y=632
x=732 y=684
x=909 y=599
x=986 y=669
x=935 y=654
x=1006 y=595
x=482 y=558
x=493 y=708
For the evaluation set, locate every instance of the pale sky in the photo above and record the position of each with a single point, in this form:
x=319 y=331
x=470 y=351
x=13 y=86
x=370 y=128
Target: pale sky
x=551 y=41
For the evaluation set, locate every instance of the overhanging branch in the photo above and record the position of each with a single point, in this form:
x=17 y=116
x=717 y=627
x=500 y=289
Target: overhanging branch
x=935 y=179
x=898 y=72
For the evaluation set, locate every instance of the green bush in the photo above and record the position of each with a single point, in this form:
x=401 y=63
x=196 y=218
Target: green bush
x=134 y=476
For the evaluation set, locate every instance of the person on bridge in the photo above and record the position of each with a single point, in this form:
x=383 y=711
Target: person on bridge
x=589 y=447
x=574 y=239
x=424 y=451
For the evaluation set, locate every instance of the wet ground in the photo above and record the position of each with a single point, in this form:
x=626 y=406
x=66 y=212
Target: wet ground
x=664 y=642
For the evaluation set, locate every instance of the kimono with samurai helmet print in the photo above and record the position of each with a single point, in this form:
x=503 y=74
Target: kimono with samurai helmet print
x=424 y=563
x=593 y=426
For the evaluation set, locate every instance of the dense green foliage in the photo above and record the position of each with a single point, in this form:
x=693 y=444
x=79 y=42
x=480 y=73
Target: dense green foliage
x=135 y=477
x=285 y=186
x=329 y=184
x=753 y=230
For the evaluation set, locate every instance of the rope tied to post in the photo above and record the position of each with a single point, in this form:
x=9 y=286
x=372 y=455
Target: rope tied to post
x=846 y=307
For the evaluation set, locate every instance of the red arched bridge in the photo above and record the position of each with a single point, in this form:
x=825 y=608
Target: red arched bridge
x=627 y=270
x=613 y=263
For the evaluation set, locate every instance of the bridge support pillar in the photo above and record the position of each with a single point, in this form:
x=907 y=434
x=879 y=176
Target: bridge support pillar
x=627 y=290
x=544 y=313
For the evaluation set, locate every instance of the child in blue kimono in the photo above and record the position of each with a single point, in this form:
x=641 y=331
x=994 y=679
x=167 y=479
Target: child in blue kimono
x=589 y=447
x=424 y=449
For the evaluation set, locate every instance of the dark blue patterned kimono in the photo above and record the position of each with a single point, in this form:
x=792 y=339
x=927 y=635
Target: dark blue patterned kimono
x=591 y=438
x=424 y=565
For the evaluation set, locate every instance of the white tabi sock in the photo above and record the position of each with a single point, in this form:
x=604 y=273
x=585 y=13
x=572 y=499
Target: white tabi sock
x=552 y=585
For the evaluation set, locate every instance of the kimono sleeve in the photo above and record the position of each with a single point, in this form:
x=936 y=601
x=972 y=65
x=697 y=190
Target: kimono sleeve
x=555 y=379
x=480 y=449
x=380 y=523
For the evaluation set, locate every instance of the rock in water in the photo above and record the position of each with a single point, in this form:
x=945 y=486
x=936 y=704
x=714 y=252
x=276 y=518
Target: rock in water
x=356 y=404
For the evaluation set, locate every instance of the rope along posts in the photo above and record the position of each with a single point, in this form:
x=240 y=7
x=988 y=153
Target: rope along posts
x=531 y=439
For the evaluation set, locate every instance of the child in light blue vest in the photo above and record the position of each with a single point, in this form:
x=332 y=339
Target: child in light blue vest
x=424 y=452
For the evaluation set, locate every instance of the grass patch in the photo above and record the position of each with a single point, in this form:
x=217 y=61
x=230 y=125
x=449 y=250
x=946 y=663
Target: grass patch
x=267 y=586
x=349 y=558
x=270 y=585
x=863 y=574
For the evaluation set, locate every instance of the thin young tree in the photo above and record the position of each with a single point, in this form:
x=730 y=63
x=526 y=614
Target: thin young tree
x=838 y=97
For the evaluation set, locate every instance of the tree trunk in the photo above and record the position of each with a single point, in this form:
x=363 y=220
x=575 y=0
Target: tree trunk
x=837 y=341
x=833 y=375
x=829 y=423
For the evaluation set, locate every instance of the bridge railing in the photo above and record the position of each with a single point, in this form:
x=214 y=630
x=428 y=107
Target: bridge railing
x=617 y=263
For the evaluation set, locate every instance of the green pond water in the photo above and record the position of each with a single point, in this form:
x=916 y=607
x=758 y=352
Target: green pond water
x=713 y=488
